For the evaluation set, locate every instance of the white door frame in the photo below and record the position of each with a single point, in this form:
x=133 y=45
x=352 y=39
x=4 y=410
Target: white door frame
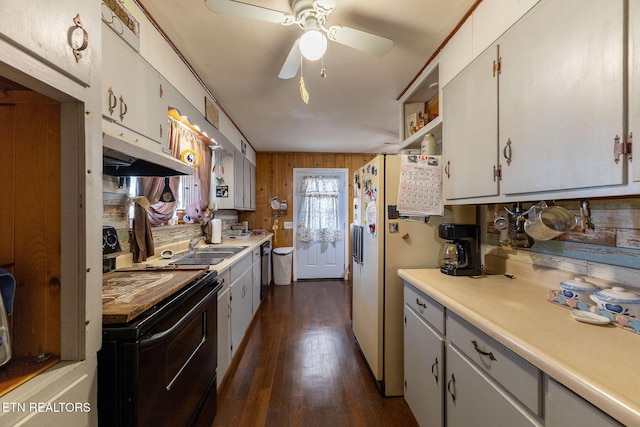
x=344 y=173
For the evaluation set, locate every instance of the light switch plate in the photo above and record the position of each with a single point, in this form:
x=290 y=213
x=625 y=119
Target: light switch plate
x=288 y=225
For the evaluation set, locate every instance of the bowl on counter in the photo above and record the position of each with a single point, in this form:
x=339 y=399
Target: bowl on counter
x=579 y=289
x=618 y=300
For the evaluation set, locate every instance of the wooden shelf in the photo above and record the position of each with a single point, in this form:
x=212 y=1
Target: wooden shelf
x=434 y=127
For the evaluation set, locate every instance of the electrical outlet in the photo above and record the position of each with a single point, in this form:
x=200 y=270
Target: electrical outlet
x=288 y=225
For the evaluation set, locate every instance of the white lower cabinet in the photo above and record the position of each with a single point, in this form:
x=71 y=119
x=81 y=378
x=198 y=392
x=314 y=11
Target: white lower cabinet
x=463 y=378
x=565 y=408
x=224 y=326
x=256 y=279
x=423 y=369
x=240 y=300
x=474 y=399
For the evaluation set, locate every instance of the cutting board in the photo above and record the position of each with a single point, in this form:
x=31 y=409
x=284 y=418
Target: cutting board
x=127 y=293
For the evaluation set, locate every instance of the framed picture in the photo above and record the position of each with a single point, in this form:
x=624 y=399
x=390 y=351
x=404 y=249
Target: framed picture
x=211 y=112
x=222 y=191
x=412 y=121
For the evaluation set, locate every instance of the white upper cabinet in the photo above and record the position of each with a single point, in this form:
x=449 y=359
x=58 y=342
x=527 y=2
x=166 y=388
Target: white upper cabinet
x=470 y=130
x=133 y=91
x=634 y=79
x=63 y=36
x=561 y=97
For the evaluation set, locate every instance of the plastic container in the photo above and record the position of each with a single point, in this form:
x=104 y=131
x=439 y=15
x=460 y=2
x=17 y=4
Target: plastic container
x=282 y=261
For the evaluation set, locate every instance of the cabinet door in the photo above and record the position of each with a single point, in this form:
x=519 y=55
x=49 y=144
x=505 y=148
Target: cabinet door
x=238 y=179
x=47 y=30
x=224 y=334
x=634 y=80
x=423 y=370
x=241 y=313
x=561 y=97
x=246 y=183
x=132 y=92
x=470 y=130
x=256 y=279
x=472 y=399
x=564 y=408
x=252 y=191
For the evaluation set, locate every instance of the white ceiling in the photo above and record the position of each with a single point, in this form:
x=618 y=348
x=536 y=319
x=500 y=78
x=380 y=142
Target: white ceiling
x=352 y=110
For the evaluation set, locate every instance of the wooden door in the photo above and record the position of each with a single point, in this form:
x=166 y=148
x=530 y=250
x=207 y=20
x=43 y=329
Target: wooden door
x=321 y=260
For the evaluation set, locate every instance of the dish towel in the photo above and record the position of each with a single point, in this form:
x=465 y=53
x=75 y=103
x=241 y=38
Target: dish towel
x=7 y=289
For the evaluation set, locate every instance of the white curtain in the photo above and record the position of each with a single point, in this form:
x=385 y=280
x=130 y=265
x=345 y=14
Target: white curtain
x=319 y=215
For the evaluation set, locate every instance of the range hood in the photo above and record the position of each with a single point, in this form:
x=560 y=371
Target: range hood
x=124 y=155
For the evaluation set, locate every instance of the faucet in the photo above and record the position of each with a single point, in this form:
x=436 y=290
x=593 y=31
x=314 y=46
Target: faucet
x=193 y=242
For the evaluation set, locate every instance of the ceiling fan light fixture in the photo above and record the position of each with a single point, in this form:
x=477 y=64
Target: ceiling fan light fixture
x=313 y=44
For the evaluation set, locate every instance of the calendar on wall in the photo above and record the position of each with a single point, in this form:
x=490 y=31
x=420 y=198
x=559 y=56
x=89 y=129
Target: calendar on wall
x=420 y=190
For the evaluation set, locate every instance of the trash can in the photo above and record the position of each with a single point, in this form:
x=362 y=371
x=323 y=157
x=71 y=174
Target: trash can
x=282 y=259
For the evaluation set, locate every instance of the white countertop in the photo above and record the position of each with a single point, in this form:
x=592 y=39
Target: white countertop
x=600 y=363
x=179 y=248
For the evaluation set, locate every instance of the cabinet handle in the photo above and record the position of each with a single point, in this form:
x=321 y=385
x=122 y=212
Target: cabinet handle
x=451 y=384
x=160 y=131
x=77 y=51
x=113 y=101
x=421 y=304
x=506 y=151
x=484 y=353
x=434 y=370
x=123 y=111
x=446 y=169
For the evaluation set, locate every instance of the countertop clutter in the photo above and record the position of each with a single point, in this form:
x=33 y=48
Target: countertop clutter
x=122 y=305
x=599 y=363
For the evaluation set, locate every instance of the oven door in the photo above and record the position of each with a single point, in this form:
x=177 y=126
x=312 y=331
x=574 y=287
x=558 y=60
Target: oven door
x=177 y=364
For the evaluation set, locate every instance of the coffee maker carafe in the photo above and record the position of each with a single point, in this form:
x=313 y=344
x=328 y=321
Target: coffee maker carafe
x=460 y=254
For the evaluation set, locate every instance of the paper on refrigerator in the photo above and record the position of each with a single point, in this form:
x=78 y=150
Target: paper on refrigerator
x=420 y=190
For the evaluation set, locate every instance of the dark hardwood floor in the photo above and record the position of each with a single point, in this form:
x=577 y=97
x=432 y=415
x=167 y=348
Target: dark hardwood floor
x=300 y=366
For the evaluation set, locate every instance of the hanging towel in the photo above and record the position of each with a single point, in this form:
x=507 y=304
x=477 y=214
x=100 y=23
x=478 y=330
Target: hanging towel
x=7 y=289
x=143 y=246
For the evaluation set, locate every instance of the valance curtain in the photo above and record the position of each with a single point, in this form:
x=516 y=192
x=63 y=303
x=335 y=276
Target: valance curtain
x=180 y=139
x=319 y=214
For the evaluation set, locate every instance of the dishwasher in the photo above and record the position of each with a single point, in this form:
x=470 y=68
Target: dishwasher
x=265 y=255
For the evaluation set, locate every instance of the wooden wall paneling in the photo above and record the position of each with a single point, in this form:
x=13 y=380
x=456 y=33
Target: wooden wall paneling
x=7 y=178
x=37 y=250
x=274 y=177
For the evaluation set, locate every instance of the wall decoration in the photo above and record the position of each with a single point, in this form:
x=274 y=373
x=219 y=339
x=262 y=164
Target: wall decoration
x=222 y=191
x=411 y=121
x=211 y=112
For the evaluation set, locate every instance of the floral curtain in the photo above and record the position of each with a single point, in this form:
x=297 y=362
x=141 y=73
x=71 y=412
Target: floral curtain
x=319 y=215
x=180 y=139
x=157 y=212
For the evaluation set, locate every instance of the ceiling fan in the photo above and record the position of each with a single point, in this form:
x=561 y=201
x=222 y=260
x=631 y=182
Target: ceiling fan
x=311 y=16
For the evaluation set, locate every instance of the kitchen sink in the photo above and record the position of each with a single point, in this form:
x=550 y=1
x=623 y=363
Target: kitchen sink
x=210 y=255
x=197 y=259
x=220 y=249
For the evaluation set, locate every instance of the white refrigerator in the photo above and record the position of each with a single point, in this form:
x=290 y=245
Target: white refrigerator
x=381 y=244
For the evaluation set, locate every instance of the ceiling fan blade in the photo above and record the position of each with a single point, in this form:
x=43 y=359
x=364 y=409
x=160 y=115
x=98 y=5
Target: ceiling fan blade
x=361 y=40
x=325 y=6
x=230 y=7
x=292 y=63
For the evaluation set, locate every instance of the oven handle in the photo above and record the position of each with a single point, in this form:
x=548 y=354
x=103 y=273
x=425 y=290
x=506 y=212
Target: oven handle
x=158 y=338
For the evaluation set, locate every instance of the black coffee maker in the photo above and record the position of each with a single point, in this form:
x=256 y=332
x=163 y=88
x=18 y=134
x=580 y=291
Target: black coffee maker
x=460 y=255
